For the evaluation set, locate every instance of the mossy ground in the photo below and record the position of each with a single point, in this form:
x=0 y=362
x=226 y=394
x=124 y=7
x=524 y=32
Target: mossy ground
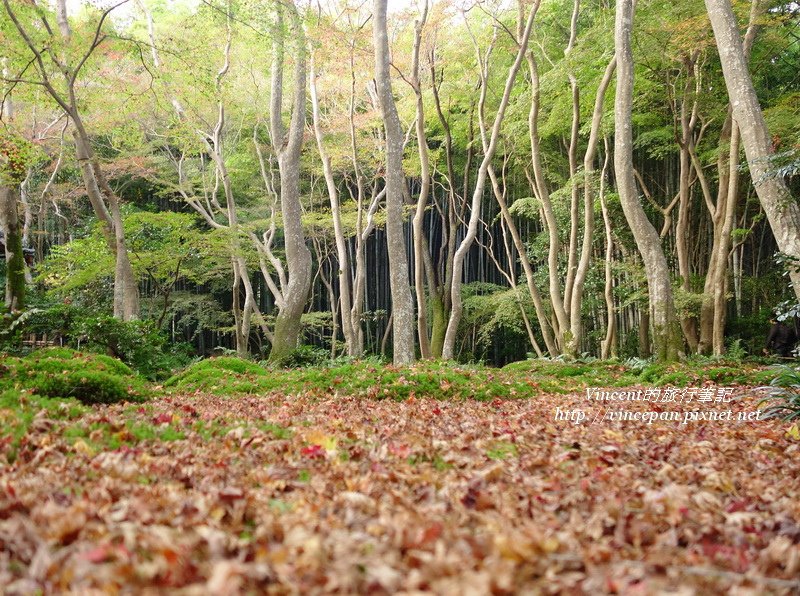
x=64 y=373
x=59 y=384
x=232 y=376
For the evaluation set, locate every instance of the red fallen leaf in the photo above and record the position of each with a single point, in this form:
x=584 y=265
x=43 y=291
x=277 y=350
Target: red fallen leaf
x=313 y=451
x=436 y=411
x=737 y=557
x=431 y=533
x=736 y=506
x=476 y=499
x=231 y=493
x=162 y=418
x=99 y=554
x=399 y=450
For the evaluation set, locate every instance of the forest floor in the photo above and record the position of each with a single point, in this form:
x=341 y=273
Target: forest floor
x=310 y=493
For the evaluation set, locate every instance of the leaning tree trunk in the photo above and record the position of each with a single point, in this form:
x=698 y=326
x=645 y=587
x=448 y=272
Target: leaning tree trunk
x=15 y=260
x=666 y=331
x=402 y=304
x=298 y=257
x=782 y=211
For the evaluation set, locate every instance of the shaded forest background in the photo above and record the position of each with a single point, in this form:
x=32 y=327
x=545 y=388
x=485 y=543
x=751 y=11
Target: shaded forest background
x=165 y=131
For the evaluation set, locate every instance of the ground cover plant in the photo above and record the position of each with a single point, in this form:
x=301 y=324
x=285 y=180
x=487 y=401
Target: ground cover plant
x=64 y=373
x=230 y=376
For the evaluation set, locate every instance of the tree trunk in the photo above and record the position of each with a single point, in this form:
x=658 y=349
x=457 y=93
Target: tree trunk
x=666 y=331
x=448 y=351
x=15 y=260
x=781 y=209
x=608 y=347
x=402 y=304
x=345 y=285
x=561 y=324
x=287 y=147
x=582 y=270
x=126 y=286
x=420 y=245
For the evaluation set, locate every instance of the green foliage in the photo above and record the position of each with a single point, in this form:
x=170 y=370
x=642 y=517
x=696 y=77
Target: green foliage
x=306 y=356
x=64 y=373
x=784 y=394
x=137 y=343
x=16 y=156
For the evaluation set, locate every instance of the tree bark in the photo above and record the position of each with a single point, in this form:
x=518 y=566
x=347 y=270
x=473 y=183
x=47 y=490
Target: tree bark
x=576 y=323
x=782 y=211
x=448 y=351
x=420 y=245
x=287 y=145
x=402 y=304
x=345 y=283
x=666 y=331
x=15 y=260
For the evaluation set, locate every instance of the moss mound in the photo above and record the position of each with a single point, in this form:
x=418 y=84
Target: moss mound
x=230 y=376
x=64 y=373
x=234 y=376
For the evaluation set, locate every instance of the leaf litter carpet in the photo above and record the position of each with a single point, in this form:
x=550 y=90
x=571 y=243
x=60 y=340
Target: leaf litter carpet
x=302 y=495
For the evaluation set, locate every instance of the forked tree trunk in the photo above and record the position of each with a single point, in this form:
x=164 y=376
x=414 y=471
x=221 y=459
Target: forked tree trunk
x=666 y=331
x=126 y=288
x=781 y=209
x=402 y=304
x=287 y=145
x=582 y=270
x=420 y=244
x=345 y=285
x=448 y=351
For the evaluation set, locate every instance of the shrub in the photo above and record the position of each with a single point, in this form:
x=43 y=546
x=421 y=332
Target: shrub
x=306 y=356
x=64 y=373
x=137 y=343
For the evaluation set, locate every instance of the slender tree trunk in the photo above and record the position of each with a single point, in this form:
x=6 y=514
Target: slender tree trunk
x=345 y=285
x=561 y=324
x=782 y=211
x=420 y=245
x=448 y=352
x=608 y=347
x=287 y=145
x=402 y=304
x=687 y=120
x=666 y=331
x=582 y=270
x=571 y=345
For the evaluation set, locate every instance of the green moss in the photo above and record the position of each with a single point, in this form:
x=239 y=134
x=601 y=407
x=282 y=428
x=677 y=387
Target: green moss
x=18 y=410
x=63 y=373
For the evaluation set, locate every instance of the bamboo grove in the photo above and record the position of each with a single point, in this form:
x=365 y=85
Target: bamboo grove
x=449 y=179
